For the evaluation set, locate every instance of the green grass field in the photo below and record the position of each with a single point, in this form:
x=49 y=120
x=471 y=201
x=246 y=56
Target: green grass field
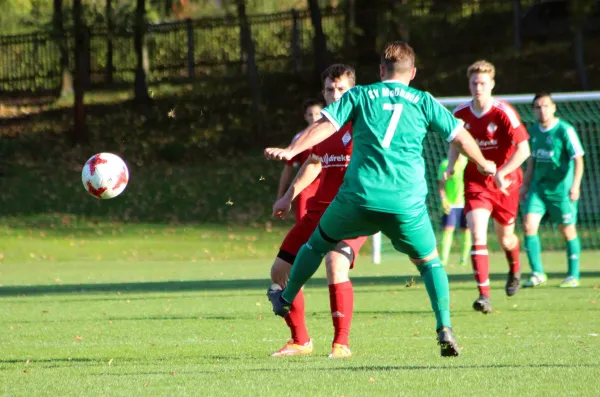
x=105 y=309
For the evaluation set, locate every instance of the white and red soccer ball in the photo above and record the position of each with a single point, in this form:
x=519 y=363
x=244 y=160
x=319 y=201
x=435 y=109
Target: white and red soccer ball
x=105 y=175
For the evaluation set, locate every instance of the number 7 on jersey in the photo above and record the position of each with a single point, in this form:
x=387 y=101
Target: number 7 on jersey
x=396 y=109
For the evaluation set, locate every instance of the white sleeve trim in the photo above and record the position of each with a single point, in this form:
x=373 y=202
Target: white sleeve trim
x=572 y=137
x=455 y=131
x=331 y=119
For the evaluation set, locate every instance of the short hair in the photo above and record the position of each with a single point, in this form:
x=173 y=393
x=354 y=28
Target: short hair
x=309 y=103
x=337 y=71
x=481 y=66
x=398 y=57
x=542 y=94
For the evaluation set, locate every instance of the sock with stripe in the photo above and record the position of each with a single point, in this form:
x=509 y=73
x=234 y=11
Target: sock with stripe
x=481 y=268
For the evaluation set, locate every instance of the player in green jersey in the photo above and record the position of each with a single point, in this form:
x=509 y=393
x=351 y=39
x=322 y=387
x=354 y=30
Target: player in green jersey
x=384 y=187
x=552 y=184
x=451 y=189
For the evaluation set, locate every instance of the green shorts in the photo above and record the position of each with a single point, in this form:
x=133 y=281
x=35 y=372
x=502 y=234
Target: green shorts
x=561 y=210
x=410 y=233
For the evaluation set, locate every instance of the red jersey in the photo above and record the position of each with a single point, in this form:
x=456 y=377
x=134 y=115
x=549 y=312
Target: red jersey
x=497 y=131
x=334 y=153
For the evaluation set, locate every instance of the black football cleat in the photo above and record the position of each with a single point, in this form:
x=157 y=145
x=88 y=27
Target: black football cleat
x=280 y=306
x=483 y=304
x=513 y=283
x=447 y=343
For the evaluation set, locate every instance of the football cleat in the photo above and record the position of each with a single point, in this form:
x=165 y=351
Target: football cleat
x=447 y=343
x=483 y=304
x=513 y=283
x=535 y=280
x=569 y=282
x=294 y=349
x=280 y=306
x=340 y=351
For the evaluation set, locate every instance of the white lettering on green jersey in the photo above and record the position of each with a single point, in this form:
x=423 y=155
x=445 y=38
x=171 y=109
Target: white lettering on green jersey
x=389 y=122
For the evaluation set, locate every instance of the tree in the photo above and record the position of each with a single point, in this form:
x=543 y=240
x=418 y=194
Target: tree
x=251 y=70
x=580 y=11
x=66 y=86
x=141 y=52
x=319 y=40
x=79 y=132
x=109 y=41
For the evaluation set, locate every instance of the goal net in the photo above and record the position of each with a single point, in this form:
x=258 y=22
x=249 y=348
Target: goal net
x=580 y=109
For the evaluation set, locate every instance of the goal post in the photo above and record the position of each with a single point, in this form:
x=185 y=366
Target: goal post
x=582 y=109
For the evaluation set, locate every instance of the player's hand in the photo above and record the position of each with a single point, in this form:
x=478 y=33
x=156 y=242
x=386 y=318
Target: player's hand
x=523 y=194
x=489 y=169
x=282 y=207
x=448 y=173
x=574 y=193
x=502 y=182
x=446 y=207
x=273 y=153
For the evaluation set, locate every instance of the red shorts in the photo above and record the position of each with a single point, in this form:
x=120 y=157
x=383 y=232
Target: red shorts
x=300 y=205
x=504 y=208
x=302 y=231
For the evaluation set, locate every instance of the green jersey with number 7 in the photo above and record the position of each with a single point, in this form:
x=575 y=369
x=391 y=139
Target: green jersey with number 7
x=390 y=121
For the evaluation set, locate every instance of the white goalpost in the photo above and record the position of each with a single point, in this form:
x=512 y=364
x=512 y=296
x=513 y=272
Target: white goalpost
x=516 y=99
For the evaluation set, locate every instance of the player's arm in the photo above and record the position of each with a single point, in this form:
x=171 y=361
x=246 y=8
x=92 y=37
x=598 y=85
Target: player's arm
x=306 y=175
x=442 y=177
x=452 y=157
x=518 y=157
x=575 y=191
x=335 y=116
x=464 y=143
x=527 y=178
x=284 y=180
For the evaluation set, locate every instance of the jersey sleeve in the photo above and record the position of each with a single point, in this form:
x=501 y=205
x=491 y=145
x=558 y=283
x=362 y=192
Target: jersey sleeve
x=439 y=119
x=572 y=142
x=515 y=128
x=442 y=169
x=342 y=111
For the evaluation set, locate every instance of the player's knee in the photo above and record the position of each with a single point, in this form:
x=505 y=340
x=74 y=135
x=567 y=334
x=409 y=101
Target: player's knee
x=320 y=243
x=530 y=227
x=338 y=268
x=568 y=231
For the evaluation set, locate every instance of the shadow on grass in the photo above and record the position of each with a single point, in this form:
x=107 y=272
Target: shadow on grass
x=224 y=285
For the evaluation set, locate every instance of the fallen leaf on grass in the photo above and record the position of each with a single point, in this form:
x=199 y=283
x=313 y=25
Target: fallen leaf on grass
x=78 y=337
x=372 y=380
x=110 y=362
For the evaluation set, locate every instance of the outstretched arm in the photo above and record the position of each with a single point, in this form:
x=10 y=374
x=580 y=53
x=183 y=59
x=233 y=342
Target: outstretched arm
x=311 y=136
x=465 y=144
x=306 y=175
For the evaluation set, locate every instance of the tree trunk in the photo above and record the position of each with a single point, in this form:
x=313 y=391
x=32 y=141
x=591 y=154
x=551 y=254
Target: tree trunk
x=109 y=42
x=319 y=40
x=581 y=10
x=366 y=32
x=252 y=72
x=140 y=85
x=66 y=86
x=79 y=132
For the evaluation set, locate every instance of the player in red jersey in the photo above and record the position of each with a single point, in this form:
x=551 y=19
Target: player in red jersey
x=312 y=112
x=329 y=161
x=502 y=138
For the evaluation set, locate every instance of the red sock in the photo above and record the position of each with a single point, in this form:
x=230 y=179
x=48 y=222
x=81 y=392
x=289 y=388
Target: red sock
x=514 y=262
x=341 y=301
x=481 y=268
x=296 y=321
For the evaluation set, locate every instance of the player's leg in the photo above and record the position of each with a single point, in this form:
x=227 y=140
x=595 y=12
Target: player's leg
x=568 y=219
x=413 y=235
x=505 y=213
x=466 y=239
x=340 y=221
x=341 y=294
x=449 y=222
x=479 y=208
x=299 y=342
x=535 y=208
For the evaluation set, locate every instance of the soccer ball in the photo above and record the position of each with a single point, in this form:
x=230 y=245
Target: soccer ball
x=105 y=175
